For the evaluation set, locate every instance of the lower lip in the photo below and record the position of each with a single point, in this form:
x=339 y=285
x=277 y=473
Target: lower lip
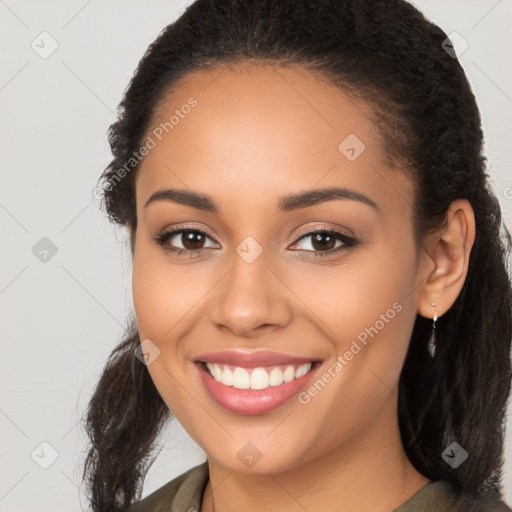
x=251 y=402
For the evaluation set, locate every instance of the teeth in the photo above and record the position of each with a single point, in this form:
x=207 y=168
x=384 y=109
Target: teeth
x=241 y=379
x=258 y=378
x=289 y=374
x=217 y=373
x=302 y=370
x=276 y=377
x=227 y=377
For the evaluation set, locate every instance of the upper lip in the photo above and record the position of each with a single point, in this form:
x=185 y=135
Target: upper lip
x=252 y=359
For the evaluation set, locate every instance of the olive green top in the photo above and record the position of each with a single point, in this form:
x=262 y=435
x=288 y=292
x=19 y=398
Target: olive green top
x=185 y=494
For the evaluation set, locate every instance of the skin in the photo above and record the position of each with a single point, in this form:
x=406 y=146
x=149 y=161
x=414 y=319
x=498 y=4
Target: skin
x=256 y=135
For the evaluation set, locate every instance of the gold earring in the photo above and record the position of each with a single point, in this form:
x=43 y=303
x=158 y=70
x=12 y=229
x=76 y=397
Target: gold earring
x=432 y=341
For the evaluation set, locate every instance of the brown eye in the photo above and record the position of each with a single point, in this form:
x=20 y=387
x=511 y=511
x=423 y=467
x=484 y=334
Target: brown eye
x=183 y=240
x=323 y=242
x=192 y=239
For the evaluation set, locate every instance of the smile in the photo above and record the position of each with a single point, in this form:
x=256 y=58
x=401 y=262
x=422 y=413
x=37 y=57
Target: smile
x=256 y=378
x=252 y=383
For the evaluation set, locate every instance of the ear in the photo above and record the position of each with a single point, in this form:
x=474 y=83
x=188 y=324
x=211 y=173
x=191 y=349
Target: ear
x=446 y=266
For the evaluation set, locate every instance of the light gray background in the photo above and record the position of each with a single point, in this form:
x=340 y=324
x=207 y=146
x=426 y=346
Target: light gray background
x=61 y=319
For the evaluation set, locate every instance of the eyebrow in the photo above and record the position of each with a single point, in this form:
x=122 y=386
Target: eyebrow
x=286 y=203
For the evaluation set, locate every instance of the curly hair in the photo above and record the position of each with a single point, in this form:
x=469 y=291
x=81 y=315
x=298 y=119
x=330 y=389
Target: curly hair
x=388 y=55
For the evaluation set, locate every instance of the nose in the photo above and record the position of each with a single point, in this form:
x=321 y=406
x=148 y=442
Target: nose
x=251 y=299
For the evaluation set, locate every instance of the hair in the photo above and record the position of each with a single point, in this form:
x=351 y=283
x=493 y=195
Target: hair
x=386 y=54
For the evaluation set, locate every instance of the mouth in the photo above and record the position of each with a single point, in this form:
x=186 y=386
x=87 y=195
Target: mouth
x=256 y=378
x=252 y=384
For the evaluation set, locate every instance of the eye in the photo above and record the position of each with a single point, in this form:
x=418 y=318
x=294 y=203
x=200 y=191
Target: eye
x=323 y=242
x=192 y=241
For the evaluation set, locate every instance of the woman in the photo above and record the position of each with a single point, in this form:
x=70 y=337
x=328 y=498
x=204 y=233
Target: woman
x=319 y=284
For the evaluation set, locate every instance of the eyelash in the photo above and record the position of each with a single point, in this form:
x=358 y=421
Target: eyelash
x=348 y=242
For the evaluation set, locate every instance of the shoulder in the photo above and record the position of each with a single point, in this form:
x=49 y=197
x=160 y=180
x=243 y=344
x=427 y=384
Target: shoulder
x=440 y=496
x=182 y=493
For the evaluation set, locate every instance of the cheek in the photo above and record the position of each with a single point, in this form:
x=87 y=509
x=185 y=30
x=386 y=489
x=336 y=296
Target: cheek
x=367 y=310
x=367 y=291
x=162 y=293
x=162 y=297
x=378 y=317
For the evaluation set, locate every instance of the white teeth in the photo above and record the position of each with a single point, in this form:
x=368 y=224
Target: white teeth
x=217 y=372
x=302 y=370
x=258 y=378
x=276 y=377
x=227 y=376
x=289 y=374
x=241 y=379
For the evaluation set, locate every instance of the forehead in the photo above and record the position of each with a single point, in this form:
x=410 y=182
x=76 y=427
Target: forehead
x=261 y=128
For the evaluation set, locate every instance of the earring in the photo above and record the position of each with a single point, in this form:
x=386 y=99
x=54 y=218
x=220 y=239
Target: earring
x=432 y=341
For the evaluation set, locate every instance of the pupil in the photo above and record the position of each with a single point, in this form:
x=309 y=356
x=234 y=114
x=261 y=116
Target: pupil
x=189 y=239
x=318 y=237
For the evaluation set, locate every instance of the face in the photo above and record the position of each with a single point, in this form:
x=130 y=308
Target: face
x=303 y=300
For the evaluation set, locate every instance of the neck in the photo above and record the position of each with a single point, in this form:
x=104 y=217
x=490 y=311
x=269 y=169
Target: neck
x=370 y=471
